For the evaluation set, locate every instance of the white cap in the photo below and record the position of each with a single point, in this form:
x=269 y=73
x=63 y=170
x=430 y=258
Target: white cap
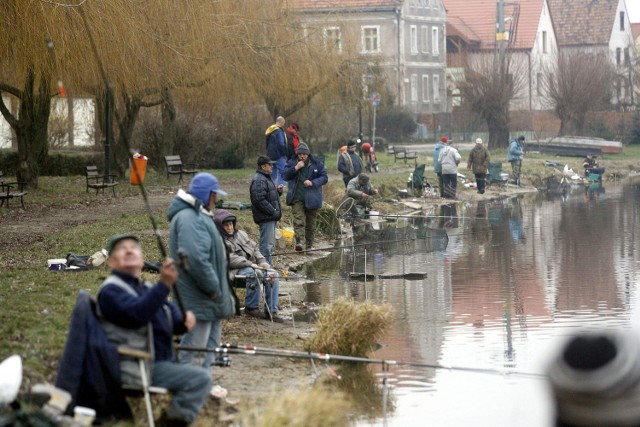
x=479 y=141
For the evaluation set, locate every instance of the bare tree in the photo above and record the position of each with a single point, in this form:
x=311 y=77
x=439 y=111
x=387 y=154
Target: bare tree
x=578 y=84
x=492 y=80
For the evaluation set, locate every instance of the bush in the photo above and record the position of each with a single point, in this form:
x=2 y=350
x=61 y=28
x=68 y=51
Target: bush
x=598 y=129
x=56 y=164
x=634 y=133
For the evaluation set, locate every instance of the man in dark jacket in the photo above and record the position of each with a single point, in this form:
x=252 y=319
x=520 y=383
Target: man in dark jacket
x=265 y=205
x=136 y=314
x=305 y=176
x=349 y=163
x=276 y=140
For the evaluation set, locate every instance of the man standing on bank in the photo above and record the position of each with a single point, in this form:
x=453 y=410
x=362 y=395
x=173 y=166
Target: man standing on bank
x=478 y=162
x=514 y=156
x=349 y=163
x=305 y=176
x=265 y=205
x=449 y=158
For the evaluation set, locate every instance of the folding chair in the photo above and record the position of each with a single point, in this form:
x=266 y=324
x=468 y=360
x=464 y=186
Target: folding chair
x=417 y=181
x=496 y=177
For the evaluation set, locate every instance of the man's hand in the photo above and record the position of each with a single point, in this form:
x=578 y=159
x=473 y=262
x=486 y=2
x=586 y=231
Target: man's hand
x=280 y=188
x=265 y=265
x=189 y=320
x=365 y=196
x=308 y=183
x=256 y=267
x=168 y=273
x=299 y=165
x=375 y=192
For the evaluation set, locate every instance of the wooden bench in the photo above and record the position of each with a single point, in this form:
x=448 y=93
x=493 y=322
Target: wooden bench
x=176 y=167
x=389 y=150
x=11 y=190
x=402 y=154
x=100 y=182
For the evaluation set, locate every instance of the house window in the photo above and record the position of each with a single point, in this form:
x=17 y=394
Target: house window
x=539 y=84
x=425 y=39
x=544 y=42
x=333 y=39
x=627 y=57
x=434 y=41
x=618 y=56
x=413 y=33
x=436 y=88
x=621 y=20
x=425 y=88
x=370 y=39
x=414 y=88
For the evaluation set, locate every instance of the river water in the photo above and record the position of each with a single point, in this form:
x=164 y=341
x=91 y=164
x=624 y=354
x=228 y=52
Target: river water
x=506 y=282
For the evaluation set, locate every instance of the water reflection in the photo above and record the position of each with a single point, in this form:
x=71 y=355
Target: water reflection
x=511 y=277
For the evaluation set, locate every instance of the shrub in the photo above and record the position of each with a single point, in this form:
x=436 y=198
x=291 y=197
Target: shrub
x=634 y=132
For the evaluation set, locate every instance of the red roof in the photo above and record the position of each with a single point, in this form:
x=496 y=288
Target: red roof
x=635 y=30
x=583 y=22
x=479 y=16
x=344 y=4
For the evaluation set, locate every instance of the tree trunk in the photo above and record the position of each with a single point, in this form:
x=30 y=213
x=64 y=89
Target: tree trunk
x=168 y=123
x=498 y=125
x=126 y=126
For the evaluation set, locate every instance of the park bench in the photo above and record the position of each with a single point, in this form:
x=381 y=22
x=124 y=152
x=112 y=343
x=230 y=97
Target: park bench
x=389 y=150
x=176 y=167
x=11 y=190
x=402 y=154
x=100 y=182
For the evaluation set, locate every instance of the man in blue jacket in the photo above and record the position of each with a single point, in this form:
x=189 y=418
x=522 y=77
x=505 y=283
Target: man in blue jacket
x=136 y=314
x=305 y=176
x=437 y=166
x=265 y=205
x=276 y=140
x=203 y=281
x=514 y=156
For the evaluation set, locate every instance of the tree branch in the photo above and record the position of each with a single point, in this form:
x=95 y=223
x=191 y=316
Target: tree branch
x=10 y=118
x=11 y=89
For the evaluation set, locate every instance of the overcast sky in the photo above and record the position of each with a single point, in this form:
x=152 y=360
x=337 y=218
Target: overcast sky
x=633 y=7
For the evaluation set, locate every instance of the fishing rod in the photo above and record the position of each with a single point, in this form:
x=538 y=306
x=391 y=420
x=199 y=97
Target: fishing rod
x=356 y=245
x=134 y=166
x=327 y=357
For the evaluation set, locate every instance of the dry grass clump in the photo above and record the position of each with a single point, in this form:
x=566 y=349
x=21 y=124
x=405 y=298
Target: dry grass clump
x=315 y=407
x=327 y=223
x=350 y=328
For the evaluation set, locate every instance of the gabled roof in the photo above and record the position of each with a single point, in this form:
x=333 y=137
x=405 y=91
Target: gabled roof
x=479 y=16
x=344 y=4
x=583 y=22
x=635 y=30
x=457 y=27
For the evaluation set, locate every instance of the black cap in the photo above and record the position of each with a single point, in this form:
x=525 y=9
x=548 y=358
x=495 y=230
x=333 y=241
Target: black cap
x=521 y=138
x=351 y=143
x=263 y=160
x=117 y=238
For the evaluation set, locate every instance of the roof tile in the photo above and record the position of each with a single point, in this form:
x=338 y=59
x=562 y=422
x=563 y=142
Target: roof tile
x=583 y=22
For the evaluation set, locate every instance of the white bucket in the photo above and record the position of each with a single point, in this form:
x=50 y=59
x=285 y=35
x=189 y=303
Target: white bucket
x=83 y=415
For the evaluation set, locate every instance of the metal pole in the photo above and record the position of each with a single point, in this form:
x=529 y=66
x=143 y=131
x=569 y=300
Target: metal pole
x=108 y=135
x=373 y=129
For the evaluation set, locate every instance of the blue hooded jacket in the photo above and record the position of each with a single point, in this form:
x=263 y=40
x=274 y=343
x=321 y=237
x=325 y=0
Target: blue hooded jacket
x=437 y=166
x=317 y=175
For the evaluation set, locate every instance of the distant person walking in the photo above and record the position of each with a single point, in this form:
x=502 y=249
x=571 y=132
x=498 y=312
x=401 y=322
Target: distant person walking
x=437 y=166
x=265 y=205
x=305 y=176
x=514 y=156
x=349 y=163
x=449 y=158
x=276 y=140
x=478 y=162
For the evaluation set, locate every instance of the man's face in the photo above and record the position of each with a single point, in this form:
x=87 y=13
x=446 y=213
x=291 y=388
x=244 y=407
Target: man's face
x=212 y=200
x=127 y=257
x=351 y=148
x=228 y=227
x=267 y=167
x=303 y=157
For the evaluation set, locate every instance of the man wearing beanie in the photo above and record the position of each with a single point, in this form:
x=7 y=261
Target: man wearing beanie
x=478 y=162
x=305 y=176
x=203 y=279
x=349 y=163
x=265 y=205
x=437 y=166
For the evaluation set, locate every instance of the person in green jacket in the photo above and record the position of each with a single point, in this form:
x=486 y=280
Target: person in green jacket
x=478 y=162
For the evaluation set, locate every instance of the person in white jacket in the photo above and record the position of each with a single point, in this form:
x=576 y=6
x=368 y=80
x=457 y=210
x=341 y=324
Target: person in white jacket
x=449 y=158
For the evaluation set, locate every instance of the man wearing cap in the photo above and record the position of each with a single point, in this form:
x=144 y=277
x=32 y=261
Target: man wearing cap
x=449 y=158
x=136 y=314
x=265 y=205
x=349 y=163
x=360 y=189
x=437 y=166
x=478 y=162
x=514 y=156
x=203 y=280
x=276 y=140
x=305 y=176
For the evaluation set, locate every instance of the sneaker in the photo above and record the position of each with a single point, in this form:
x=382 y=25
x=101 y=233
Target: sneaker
x=274 y=317
x=254 y=312
x=299 y=247
x=218 y=392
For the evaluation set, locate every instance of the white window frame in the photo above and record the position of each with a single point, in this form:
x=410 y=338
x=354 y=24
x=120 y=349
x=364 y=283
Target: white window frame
x=414 y=88
x=436 y=88
x=425 y=38
x=364 y=29
x=435 y=41
x=413 y=39
x=425 y=89
x=328 y=30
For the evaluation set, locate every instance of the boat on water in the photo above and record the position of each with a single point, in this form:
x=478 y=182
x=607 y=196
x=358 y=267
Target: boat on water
x=577 y=146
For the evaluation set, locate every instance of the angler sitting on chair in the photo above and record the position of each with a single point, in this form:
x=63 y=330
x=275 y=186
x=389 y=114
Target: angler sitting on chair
x=245 y=259
x=360 y=189
x=590 y=165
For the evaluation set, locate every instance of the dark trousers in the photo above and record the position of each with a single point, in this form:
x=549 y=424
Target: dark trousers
x=346 y=180
x=304 y=223
x=450 y=182
x=440 y=184
x=481 y=179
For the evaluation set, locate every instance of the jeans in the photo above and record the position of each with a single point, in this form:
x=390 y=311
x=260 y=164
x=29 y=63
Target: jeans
x=481 y=180
x=278 y=168
x=267 y=239
x=189 y=387
x=207 y=334
x=271 y=289
x=304 y=223
x=450 y=181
